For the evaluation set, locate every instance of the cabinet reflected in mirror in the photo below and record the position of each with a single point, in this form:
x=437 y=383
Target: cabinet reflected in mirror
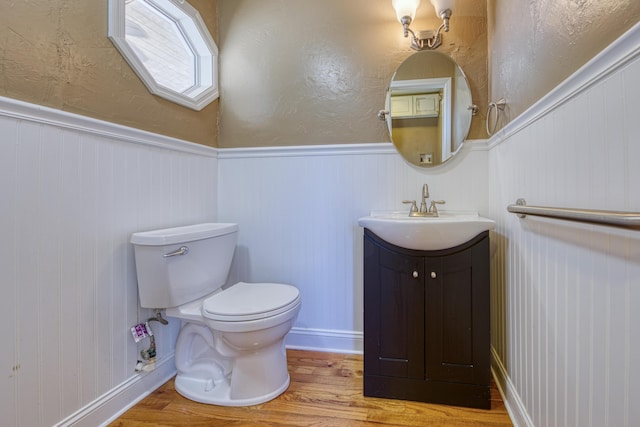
x=428 y=102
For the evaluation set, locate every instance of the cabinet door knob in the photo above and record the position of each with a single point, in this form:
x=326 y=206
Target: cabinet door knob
x=433 y=275
x=415 y=274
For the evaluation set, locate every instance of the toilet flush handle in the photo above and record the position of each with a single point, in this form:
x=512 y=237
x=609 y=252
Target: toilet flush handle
x=182 y=250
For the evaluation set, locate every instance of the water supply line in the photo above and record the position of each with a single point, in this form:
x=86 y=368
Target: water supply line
x=150 y=353
x=143 y=330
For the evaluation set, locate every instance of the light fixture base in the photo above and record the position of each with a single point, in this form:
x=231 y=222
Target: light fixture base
x=426 y=39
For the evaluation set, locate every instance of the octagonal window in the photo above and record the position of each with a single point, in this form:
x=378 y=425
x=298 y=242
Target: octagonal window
x=168 y=46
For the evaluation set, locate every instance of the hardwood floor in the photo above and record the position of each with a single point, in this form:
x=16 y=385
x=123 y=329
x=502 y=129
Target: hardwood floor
x=325 y=390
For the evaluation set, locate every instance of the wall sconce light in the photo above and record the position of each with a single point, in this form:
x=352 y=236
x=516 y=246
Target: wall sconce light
x=429 y=39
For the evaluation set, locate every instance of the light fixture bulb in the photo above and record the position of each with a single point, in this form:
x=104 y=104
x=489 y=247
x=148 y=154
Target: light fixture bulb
x=405 y=8
x=442 y=5
x=420 y=40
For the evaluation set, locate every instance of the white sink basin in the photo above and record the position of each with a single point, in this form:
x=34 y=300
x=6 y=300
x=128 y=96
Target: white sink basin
x=426 y=233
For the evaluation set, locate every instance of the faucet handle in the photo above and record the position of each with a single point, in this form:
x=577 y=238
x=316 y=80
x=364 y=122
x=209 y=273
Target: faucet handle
x=413 y=208
x=433 y=208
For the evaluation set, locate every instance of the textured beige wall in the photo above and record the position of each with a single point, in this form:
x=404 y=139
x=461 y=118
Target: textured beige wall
x=536 y=44
x=304 y=72
x=56 y=53
x=300 y=71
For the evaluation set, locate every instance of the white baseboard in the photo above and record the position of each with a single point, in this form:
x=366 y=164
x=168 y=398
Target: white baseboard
x=118 y=400
x=111 y=405
x=325 y=340
x=512 y=401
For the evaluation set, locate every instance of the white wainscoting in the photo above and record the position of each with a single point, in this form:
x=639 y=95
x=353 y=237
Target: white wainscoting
x=72 y=190
x=566 y=296
x=297 y=210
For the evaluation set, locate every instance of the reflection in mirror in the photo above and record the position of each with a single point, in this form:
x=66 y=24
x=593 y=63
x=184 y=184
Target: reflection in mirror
x=428 y=103
x=169 y=47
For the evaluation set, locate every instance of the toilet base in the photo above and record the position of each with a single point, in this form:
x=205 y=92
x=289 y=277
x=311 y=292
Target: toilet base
x=204 y=391
x=213 y=372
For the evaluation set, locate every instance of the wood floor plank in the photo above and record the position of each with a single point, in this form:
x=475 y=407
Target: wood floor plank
x=325 y=391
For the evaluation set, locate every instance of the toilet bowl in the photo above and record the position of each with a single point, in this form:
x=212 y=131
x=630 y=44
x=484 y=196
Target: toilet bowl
x=235 y=356
x=230 y=350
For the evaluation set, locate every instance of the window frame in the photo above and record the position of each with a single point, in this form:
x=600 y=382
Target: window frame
x=196 y=35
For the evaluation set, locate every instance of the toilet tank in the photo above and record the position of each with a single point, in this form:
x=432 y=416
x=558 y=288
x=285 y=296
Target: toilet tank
x=178 y=265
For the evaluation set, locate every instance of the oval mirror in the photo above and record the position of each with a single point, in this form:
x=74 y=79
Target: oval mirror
x=428 y=108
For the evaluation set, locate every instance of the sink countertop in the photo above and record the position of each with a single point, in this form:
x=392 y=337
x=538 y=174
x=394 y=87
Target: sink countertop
x=449 y=229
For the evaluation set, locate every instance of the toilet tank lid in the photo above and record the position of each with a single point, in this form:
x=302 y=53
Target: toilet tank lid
x=188 y=233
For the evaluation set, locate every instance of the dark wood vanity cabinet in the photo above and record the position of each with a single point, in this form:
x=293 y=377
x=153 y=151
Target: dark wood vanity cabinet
x=426 y=322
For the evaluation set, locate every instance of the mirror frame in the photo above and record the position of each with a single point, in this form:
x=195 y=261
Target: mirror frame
x=205 y=50
x=436 y=83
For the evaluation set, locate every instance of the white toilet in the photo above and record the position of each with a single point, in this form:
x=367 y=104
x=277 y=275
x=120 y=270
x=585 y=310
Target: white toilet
x=230 y=350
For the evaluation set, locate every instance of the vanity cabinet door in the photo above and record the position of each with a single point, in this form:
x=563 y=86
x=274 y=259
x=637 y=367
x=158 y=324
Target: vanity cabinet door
x=426 y=322
x=394 y=313
x=457 y=316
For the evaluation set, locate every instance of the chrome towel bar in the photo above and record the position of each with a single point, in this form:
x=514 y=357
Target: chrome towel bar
x=615 y=218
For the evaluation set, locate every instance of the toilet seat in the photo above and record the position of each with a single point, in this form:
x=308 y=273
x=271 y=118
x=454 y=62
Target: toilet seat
x=250 y=301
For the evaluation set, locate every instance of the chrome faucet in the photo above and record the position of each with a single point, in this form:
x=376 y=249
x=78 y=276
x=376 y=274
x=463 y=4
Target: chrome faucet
x=423 y=211
x=425 y=196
